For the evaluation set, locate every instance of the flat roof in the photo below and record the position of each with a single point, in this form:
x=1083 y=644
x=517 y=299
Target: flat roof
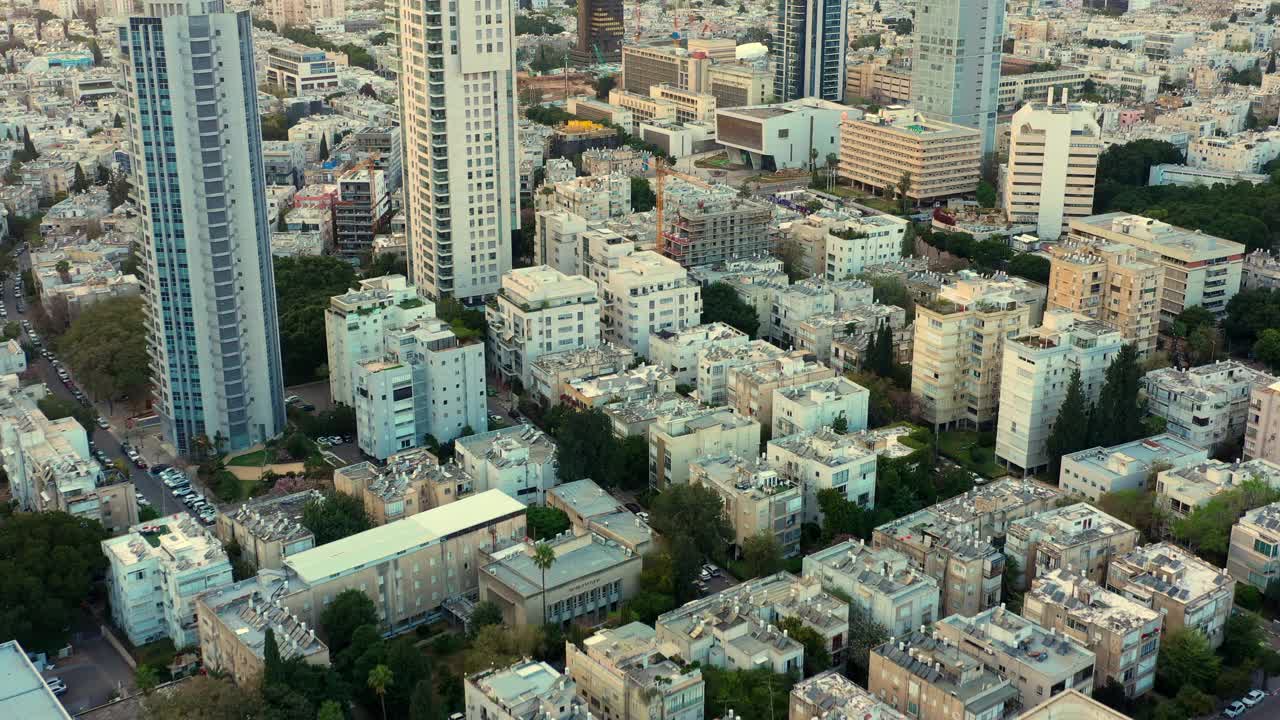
x=376 y=544
x=23 y=693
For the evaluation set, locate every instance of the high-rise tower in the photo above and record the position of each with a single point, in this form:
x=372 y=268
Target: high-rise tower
x=458 y=119
x=955 y=69
x=206 y=257
x=809 y=49
x=599 y=32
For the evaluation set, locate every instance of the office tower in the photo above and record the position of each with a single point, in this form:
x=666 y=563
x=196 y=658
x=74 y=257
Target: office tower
x=458 y=115
x=293 y=13
x=599 y=32
x=955 y=75
x=198 y=175
x=1053 y=158
x=809 y=44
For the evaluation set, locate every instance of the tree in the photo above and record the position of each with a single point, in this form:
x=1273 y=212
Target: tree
x=330 y=710
x=545 y=522
x=908 y=248
x=1070 y=431
x=381 y=678
x=904 y=187
x=1118 y=402
x=1242 y=637
x=324 y=148
x=118 y=188
x=865 y=634
x=1134 y=506
x=761 y=555
x=721 y=303
x=643 y=198
x=816 y=656
x=485 y=613
x=754 y=694
x=544 y=556
x=350 y=609
x=696 y=512
x=105 y=350
x=986 y=194
x=1186 y=658
x=79 y=183
x=1011 y=582
x=422 y=704
x=146 y=678
x=303 y=288
x=840 y=425
x=272 y=663
x=334 y=516
x=203 y=697
x=587 y=446
x=498 y=646
x=1207 y=529
x=603 y=85
x=1267 y=349
x=29 y=152
x=1030 y=266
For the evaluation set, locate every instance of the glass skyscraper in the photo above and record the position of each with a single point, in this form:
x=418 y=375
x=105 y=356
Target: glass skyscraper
x=955 y=69
x=809 y=49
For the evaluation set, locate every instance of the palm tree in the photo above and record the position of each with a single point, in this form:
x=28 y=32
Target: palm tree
x=380 y=678
x=544 y=557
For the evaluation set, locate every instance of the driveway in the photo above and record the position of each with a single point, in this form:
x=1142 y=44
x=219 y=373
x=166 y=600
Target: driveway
x=93 y=673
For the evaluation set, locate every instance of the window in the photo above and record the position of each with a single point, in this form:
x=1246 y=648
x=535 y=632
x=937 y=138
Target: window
x=1264 y=548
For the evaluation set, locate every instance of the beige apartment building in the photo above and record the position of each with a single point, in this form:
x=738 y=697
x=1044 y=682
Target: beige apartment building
x=393 y=491
x=268 y=530
x=690 y=106
x=1079 y=537
x=1072 y=704
x=958 y=347
x=676 y=440
x=1254 y=554
x=1053 y=159
x=1262 y=428
x=926 y=678
x=622 y=674
x=1123 y=634
x=942 y=159
x=834 y=696
x=1187 y=591
x=593 y=510
x=1110 y=282
x=877 y=81
x=750 y=387
x=756 y=499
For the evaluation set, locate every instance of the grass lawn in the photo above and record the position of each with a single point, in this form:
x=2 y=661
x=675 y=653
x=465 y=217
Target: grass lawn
x=973 y=450
x=252 y=459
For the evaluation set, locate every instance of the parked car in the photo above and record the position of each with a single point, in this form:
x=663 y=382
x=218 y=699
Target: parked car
x=102 y=423
x=1253 y=698
x=1235 y=709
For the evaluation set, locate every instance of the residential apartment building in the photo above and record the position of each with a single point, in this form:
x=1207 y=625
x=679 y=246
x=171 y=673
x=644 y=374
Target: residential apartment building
x=1181 y=490
x=646 y=293
x=677 y=352
x=25 y=687
x=637 y=383
x=736 y=628
x=198 y=180
x=789 y=305
x=1079 y=537
x=519 y=460
x=709 y=225
x=458 y=99
x=1037 y=661
x=155 y=573
x=1070 y=704
x=924 y=677
x=632 y=418
x=838 y=248
x=302 y=13
x=881 y=583
x=1187 y=591
x=750 y=389
x=818 y=404
x=955 y=64
x=677 y=439
x=1263 y=426
x=1207 y=406
x=623 y=674
x=810 y=43
x=1255 y=547
x=590 y=578
x=526 y=690
x=1110 y=282
x=1053 y=161
x=396 y=490
x=1199 y=269
x=540 y=310
x=958 y=348
x=552 y=373
x=362 y=210
x=1092 y=473
x=836 y=696
x=269 y=529
x=1034 y=375
x=358 y=323
x=714 y=365
x=757 y=500
x=233 y=622
x=826 y=460
x=1261 y=270
x=591 y=510
x=840 y=338
x=595 y=199
x=1123 y=634
x=556 y=240
x=881 y=149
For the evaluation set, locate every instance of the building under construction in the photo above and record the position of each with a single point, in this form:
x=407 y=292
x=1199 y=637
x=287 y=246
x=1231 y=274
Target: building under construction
x=705 y=226
x=599 y=32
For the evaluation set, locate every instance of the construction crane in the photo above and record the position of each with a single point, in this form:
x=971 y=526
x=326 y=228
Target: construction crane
x=661 y=171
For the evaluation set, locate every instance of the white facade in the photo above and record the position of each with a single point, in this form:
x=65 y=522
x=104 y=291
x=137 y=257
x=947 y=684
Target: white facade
x=198 y=177
x=956 y=64
x=882 y=582
x=824 y=460
x=428 y=383
x=677 y=352
x=646 y=293
x=814 y=405
x=1207 y=405
x=458 y=114
x=781 y=135
x=356 y=324
x=1034 y=375
x=520 y=461
x=540 y=310
x=850 y=255
x=1053 y=160
x=555 y=240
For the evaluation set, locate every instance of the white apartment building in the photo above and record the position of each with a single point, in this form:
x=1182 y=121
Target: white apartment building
x=556 y=240
x=527 y=690
x=458 y=114
x=790 y=305
x=357 y=323
x=1182 y=489
x=840 y=248
x=1034 y=375
x=1053 y=160
x=686 y=434
x=677 y=352
x=1245 y=152
x=825 y=460
x=298 y=13
x=519 y=460
x=645 y=293
x=594 y=198
x=540 y=310
x=812 y=406
x=1079 y=537
x=552 y=374
x=751 y=387
x=429 y=383
x=156 y=572
x=625 y=675
x=1207 y=405
x=1094 y=472
x=882 y=583
x=714 y=365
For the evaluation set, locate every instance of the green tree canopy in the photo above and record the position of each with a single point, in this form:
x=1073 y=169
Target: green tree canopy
x=1070 y=431
x=696 y=511
x=643 y=198
x=1267 y=349
x=1207 y=529
x=545 y=522
x=1119 y=412
x=106 y=348
x=203 y=697
x=755 y=694
x=761 y=555
x=816 y=656
x=350 y=609
x=303 y=288
x=1186 y=659
x=334 y=516
x=721 y=303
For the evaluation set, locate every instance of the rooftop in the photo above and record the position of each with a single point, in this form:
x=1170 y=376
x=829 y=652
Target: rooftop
x=733 y=476
x=836 y=697
x=1169 y=570
x=633 y=649
x=510 y=446
x=825 y=446
x=1160 y=236
x=577 y=557
x=1266 y=517
x=649 y=409
x=1212 y=383
x=1071 y=525
x=602 y=354
x=685 y=420
x=781 y=594
x=700 y=334
x=882 y=571
x=946 y=667
x=177 y=540
x=394 y=480
x=278 y=518
x=819 y=392
x=1197 y=484
x=1136 y=455
x=523 y=689
x=1087 y=601
x=23 y=692
x=248 y=608
x=1022 y=639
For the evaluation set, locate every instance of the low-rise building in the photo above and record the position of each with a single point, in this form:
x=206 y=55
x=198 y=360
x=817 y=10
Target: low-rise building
x=1094 y=472
x=156 y=572
x=590 y=578
x=882 y=584
x=826 y=460
x=593 y=510
x=756 y=500
x=751 y=388
x=677 y=352
x=519 y=460
x=677 y=439
x=1072 y=704
x=838 y=248
x=1181 y=490
x=393 y=491
x=780 y=136
x=553 y=373
x=1262 y=429
x=636 y=383
x=25 y=690
x=929 y=679
x=1255 y=547
x=1207 y=406
x=357 y=323
x=1123 y=634
x=632 y=418
x=268 y=530
x=818 y=404
x=1036 y=660
x=527 y=690
x=840 y=338
x=624 y=674
x=540 y=310
x=1187 y=591
x=834 y=696
x=645 y=293
x=715 y=363
x=1079 y=536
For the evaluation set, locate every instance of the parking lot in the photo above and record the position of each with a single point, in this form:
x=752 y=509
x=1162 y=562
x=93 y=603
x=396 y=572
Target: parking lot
x=92 y=674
